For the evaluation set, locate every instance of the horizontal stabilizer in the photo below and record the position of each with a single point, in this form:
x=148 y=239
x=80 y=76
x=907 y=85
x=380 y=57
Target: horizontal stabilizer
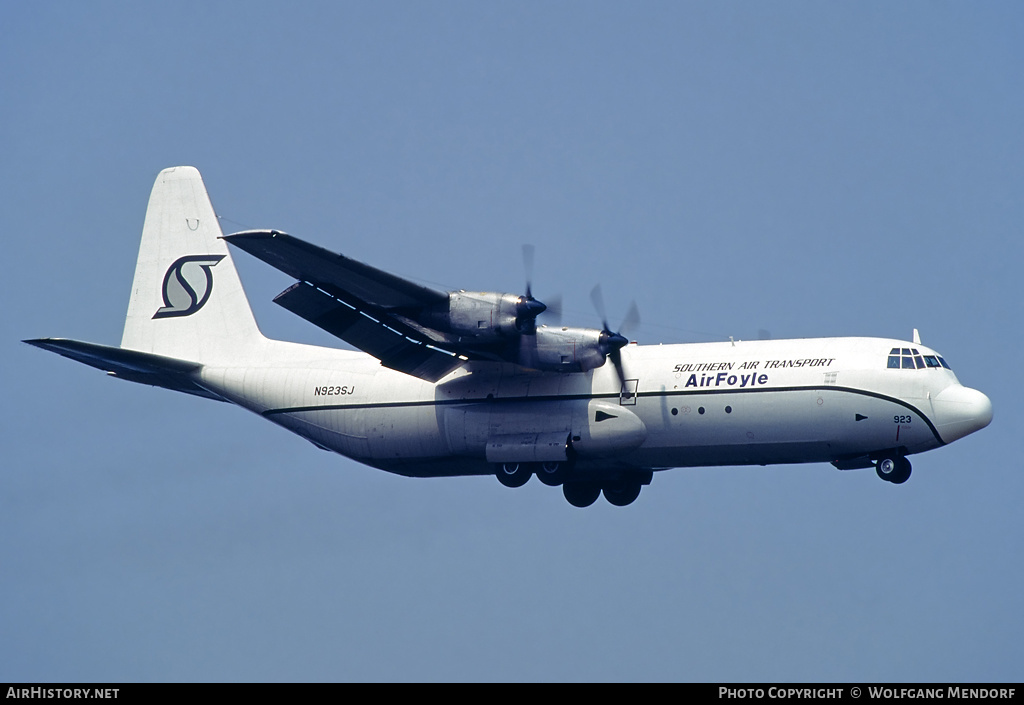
x=393 y=348
x=131 y=365
x=334 y=273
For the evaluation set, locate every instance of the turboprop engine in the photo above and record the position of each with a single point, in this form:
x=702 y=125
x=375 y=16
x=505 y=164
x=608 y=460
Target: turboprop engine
x=485 y=315
x=564 y=349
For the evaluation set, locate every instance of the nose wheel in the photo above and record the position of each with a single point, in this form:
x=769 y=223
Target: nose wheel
x=894 y=469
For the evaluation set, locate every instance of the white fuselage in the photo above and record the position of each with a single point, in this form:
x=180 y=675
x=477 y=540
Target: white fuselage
x=467 y=383
x=743 y=403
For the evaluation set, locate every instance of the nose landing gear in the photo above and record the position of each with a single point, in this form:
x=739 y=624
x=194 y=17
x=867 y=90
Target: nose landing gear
x=895 y=469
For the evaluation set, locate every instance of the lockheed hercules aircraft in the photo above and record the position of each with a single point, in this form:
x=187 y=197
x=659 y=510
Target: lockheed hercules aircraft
x=470 y=383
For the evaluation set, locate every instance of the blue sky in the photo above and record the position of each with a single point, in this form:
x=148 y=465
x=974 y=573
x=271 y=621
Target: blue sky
x=810 y=169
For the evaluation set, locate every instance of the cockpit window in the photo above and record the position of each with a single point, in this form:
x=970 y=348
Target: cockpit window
x=912 y=359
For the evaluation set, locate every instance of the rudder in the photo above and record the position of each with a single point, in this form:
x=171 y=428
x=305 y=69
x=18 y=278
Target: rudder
x=187 y=301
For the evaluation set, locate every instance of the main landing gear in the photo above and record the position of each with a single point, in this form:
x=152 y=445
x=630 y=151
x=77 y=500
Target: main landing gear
x=893 y=468
x=552 y=473
x=514 y=474
x=620 y=491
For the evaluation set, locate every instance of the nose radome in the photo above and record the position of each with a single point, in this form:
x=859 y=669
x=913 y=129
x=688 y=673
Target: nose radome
x=959 y=411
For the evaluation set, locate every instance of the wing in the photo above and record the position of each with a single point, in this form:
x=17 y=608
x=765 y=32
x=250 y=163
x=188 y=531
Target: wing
x=402 y=350
x=335 y=273
x=364 y=306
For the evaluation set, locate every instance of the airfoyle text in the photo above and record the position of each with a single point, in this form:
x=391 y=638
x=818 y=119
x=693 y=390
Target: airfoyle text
x=724 y=379
x=741 y=374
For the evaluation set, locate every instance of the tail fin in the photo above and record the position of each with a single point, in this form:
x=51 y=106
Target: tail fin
x=187 y=301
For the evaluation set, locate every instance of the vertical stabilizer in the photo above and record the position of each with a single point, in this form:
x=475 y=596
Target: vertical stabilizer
x=187 y=301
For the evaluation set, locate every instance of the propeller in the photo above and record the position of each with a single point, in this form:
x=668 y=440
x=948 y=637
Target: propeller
x=528 y=307
x=553 y=314
x=612 y=343
x=528 y=253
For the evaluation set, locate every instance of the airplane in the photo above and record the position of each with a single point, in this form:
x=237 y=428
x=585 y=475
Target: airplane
x=463 y=383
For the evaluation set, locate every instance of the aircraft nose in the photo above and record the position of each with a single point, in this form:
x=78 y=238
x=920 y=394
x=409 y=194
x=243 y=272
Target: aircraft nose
x=961 y=410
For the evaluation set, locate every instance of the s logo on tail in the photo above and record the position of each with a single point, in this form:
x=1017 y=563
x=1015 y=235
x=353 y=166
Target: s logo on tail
x=187 y=285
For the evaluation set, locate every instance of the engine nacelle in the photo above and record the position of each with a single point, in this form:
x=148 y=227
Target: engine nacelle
x=484 y=315
x=562 y=349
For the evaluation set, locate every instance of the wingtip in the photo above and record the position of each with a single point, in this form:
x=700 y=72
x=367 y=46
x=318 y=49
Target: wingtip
x=253 y=235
